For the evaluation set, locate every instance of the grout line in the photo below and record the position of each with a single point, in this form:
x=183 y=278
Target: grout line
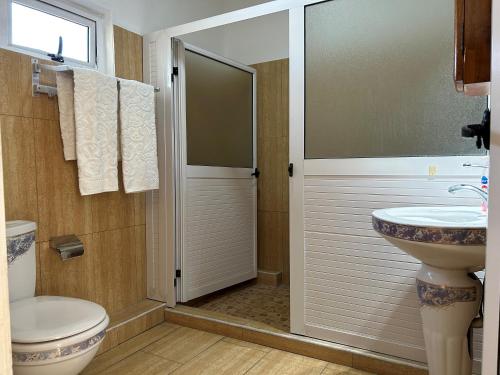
x=324 y=368
x=260 y=360
x=98 y=232
x=138 y=350
x=159 y=356
x=140 y=315
x=204 y=350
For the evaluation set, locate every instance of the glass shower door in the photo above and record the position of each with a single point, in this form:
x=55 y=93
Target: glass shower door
x=218 y=190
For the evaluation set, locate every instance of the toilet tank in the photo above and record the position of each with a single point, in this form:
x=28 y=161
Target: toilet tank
x=21 y=259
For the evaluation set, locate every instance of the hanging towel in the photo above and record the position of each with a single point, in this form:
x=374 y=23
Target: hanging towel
x=138 y=136
x=96 y=122
x=65 y=98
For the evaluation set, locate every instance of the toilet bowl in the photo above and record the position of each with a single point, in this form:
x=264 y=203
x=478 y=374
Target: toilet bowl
x=50 y=334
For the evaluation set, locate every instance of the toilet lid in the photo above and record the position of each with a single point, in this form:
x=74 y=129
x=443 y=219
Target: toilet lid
x=48 y=318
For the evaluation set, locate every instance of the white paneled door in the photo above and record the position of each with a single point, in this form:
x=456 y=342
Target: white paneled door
x=216 y=205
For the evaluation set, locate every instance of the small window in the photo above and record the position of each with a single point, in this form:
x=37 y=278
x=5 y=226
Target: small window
x=38 y=28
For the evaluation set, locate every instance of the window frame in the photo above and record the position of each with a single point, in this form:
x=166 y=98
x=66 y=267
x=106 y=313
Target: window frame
x=101 y=45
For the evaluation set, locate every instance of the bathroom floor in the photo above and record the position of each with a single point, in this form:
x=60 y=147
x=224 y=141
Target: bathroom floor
x=264 y=304
x=172 y=349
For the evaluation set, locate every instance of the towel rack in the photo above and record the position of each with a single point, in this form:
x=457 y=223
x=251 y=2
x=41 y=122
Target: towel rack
x=49 y=90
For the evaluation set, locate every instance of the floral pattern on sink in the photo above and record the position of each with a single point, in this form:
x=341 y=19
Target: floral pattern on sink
x=444 y=236
x=441 y=295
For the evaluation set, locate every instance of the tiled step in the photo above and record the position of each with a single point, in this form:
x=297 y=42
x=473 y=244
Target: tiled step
x=257 y=333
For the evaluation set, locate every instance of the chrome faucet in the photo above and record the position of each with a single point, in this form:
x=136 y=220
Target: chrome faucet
x=483 y=194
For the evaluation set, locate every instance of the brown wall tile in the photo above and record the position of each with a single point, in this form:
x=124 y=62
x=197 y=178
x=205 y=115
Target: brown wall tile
x=270 y=116
x=15 y=84
x=140 y=253
x=140 y=208
x=73 y=277
x=113 y=210
x=128 y=46
x=272 y=146
x=270 y=241
x=116 y=271
x=62 y=210
x=273 y=161
x=19 y=169
x=41 y=186
x=45 y=107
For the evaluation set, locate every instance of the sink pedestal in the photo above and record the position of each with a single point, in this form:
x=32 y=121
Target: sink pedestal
x=449 y=301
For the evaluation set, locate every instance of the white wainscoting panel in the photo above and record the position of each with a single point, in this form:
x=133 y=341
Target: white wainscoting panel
x=359 y=289
x=219 y=235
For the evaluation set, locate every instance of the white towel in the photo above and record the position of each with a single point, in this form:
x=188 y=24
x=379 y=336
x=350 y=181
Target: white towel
x=96 y=122
x=65 y=98
x=138 y=136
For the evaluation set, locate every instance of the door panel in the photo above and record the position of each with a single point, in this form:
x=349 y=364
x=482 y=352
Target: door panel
x=217 y=193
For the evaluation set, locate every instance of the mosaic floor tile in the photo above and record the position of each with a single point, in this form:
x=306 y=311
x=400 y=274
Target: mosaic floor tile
x=261 y=303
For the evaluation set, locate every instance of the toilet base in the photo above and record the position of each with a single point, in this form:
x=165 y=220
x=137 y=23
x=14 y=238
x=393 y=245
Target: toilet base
x=70 y=366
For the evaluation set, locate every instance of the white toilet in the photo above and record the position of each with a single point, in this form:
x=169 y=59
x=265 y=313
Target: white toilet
x=50 y=335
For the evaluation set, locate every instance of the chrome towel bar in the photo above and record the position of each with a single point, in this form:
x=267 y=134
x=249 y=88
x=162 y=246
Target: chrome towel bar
x=50 y=90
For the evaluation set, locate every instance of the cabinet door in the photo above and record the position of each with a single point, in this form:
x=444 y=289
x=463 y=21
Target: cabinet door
x=472 y=46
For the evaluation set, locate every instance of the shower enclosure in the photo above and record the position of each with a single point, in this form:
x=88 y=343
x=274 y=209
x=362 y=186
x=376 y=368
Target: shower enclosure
x=374 y=122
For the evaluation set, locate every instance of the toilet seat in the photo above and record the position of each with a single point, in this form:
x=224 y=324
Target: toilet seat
x=48 y=318
x=55 y=335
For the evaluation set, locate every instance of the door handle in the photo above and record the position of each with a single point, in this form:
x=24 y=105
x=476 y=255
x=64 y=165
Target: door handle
x=290 y=169
x=256 y=173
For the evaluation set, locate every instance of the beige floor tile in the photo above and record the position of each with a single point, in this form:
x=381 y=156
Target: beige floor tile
x=128 y=348
x=222 y=358
x=183 y=344
x=142 y=363
x=333 y=369
x=247 y=344
x=283 y=363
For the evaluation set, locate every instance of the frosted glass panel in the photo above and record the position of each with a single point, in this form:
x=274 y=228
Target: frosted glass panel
x=379 y=81
x=219 y=107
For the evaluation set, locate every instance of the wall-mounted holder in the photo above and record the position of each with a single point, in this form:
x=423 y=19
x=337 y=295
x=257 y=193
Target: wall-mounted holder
x=35 y=81
x=51 y=90
x=67 y=246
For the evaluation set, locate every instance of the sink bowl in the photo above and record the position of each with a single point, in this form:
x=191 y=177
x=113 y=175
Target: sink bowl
x=443 y=237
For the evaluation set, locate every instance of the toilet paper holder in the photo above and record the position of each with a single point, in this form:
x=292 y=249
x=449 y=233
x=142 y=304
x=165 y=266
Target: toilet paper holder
x=67 y=246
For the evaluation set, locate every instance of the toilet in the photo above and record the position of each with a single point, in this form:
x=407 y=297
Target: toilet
x=50 y=335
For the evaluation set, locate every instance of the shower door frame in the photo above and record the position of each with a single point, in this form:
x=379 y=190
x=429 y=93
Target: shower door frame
x=160 y=206
x=186 y=171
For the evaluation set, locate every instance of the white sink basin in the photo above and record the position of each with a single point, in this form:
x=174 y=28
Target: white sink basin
x=444 y=237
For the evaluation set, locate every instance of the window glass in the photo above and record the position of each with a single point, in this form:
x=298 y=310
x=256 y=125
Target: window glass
x=40 y=31
x=379 y=81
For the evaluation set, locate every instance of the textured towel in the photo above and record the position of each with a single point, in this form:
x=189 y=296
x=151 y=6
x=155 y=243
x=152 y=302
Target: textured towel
x=138 y=136
x=96 y=122
x=65 y=98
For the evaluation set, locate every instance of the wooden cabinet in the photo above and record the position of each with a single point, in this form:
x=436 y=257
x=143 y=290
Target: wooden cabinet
x=472 y=46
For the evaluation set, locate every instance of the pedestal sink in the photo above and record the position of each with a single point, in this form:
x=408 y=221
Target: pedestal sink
x=451 y=243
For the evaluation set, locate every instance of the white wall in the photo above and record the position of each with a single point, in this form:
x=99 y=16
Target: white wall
x=144 y=16
x=249 y=42
x=258 y=40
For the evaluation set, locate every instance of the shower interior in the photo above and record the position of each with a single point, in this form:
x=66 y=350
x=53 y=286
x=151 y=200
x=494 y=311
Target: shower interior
x=262 y=302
